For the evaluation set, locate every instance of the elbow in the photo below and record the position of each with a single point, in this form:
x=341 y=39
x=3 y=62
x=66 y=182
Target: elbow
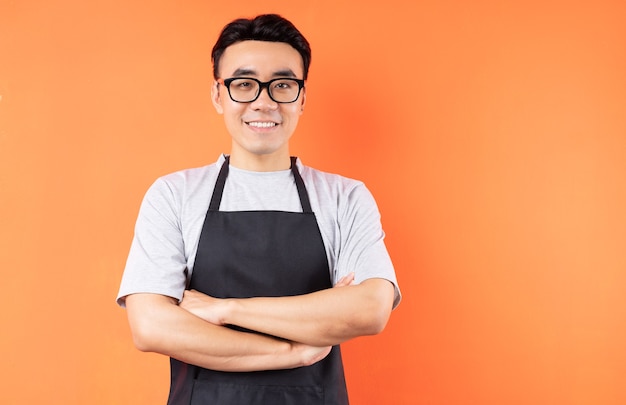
x=141 y=345
x=377 y=313
x=144 y=337
x=377 y=320
x=147 y=317
x=379 y=325
x=368 y=321
x=142 y=342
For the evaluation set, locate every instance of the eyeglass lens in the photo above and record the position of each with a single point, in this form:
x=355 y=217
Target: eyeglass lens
x=244 y=90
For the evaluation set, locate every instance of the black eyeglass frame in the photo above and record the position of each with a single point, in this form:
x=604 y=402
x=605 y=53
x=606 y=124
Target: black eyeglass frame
x=262 y=85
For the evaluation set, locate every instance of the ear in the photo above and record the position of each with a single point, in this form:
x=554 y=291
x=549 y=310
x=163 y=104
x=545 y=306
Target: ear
x=302 y=100
x=216 y=98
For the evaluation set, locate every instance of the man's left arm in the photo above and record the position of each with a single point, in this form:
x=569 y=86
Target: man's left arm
x=326 y=317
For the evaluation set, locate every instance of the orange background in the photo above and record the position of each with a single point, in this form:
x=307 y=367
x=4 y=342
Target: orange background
x=493 y=135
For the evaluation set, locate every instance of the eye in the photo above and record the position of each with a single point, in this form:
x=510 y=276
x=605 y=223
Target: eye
x=285 y=84
x=242 y=83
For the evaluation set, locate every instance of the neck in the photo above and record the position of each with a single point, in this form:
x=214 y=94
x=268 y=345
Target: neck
x=260 y=163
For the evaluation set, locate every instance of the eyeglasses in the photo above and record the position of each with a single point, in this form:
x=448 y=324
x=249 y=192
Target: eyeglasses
x=248 y=89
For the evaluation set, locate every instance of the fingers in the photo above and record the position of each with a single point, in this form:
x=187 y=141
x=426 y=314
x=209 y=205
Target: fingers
x=345 y=280
x=311 y=354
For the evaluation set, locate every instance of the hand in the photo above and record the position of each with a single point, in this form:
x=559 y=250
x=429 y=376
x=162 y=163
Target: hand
x=345 y=280
x=204 y=306
x=310 y=354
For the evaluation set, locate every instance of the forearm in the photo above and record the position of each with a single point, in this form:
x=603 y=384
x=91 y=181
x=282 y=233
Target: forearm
x=159 y=325
x=326 y=317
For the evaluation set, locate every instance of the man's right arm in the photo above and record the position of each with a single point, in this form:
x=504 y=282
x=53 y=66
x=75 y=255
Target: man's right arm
x=159 y=325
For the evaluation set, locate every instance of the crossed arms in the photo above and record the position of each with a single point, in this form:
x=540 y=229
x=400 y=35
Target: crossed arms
x=296 y=331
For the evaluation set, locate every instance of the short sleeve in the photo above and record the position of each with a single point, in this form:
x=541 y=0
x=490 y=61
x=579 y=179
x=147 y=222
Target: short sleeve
x=362 y=247
x=156 y=262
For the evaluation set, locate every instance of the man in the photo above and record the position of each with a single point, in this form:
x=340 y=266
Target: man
x=251 y=271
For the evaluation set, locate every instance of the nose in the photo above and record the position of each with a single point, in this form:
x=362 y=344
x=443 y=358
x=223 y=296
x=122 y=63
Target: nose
x=264 y=101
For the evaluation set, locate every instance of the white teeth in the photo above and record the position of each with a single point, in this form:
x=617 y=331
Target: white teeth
x=262 y=124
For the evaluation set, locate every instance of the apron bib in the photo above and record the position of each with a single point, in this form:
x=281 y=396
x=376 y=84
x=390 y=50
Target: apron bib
x=244 y=254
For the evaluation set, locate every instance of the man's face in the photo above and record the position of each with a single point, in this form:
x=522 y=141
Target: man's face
x=260 y=127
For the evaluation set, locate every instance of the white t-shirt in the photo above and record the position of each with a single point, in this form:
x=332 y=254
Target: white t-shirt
x=172 y=214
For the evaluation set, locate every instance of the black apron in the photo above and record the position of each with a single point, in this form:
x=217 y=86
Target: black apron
x=260 y=254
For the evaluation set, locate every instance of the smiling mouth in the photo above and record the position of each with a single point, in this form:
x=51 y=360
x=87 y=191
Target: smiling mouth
x=262 y=124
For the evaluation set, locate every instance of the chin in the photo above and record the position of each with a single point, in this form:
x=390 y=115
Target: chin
x=263 y=148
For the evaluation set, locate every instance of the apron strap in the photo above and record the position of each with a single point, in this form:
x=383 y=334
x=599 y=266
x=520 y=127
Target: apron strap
x=218 y=191
x=216 y=199
x=304 y=196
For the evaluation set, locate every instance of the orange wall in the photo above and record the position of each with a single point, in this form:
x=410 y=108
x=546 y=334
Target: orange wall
x=493 y=136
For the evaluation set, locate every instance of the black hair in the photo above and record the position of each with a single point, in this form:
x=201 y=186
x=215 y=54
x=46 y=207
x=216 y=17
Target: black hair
x=266 y=27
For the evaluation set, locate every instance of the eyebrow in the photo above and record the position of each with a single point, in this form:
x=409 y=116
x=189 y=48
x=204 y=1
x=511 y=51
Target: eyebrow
x=252 y=72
